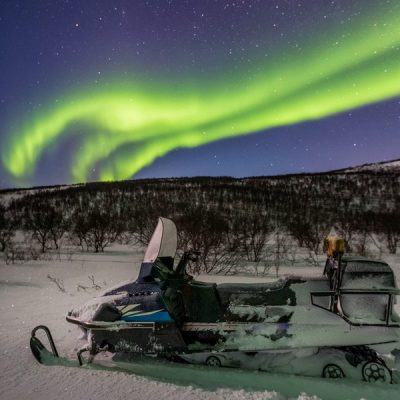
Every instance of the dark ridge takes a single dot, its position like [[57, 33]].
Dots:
[[131, 182]]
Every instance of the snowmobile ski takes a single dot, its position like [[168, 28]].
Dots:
[[37, 346]]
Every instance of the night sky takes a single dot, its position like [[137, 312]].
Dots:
[[107, 90]]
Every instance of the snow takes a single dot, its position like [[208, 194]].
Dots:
[[387, 166], [7, 196], [28, 298], [87, 311]]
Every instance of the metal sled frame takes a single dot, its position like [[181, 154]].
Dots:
[[335, 297]]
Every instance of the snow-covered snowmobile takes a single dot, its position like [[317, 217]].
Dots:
[[341, 315]]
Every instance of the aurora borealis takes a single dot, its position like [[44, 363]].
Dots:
[[122, 122]]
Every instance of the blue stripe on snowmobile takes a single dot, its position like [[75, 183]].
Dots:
[[156, 317]]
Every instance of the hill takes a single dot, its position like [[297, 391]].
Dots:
[[222, 215]]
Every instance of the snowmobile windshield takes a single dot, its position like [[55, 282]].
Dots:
[[163, 242]]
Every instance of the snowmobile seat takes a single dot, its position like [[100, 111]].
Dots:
[[201, 302], [269, 293]]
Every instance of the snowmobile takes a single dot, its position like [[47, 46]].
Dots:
[[343, 315]]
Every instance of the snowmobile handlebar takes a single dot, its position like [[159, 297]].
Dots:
[[190, 255]]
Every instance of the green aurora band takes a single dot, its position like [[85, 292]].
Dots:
[[126, 128]]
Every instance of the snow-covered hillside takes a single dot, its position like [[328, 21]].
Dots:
[[386, 166], [6, 196]]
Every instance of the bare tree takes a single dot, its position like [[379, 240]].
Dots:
[[140, 224], [208, 232], [7, 229], [309, 234], [97, 226], [79, 230], [389, 225], [347, 229], [45, 223], [361, 242], [254, 231], [281, 249]]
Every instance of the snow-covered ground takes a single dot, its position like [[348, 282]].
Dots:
[[28, 298]]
